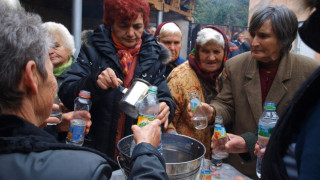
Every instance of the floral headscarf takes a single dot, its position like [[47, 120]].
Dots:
[[195, 63]]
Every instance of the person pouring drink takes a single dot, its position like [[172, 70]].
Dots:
[[118, 51], [28, 87]]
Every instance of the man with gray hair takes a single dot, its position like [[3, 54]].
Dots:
[[169, 34]]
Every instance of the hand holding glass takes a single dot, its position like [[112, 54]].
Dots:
[[56, 112]]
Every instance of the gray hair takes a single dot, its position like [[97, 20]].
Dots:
[[22, 39], [284, 24], [56, 29], [169, 29], [209, 35], [10, 4]]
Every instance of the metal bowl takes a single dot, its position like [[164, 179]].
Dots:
[[183, 156]]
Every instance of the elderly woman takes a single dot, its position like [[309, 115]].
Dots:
[[293, 149], [201, 74], [61, 54], [118, 51], [28, 88], [169, 34], [268, 73]]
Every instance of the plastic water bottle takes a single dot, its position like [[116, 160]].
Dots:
[[267, 122], [199, 117], [220, 135], [77, 129], [148, 111]]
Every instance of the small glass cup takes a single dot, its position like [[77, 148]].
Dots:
[[56, 113]]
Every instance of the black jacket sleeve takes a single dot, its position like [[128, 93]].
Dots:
[[82, 75], [147, 163]]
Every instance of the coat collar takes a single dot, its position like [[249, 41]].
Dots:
[[102, 41], [20, 136], [278, 89]]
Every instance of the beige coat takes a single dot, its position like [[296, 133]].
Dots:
[[240, 102]]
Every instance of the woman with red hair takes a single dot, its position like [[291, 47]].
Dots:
[[118, 51]]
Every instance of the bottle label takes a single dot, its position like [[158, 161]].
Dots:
[[76, 132], [219, 132], [265, 131], [143, 120], [194, 103]]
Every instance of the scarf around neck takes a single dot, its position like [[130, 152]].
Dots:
[[196, 66], [126, 55], [59, 70]]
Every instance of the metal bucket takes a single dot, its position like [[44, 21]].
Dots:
[[183, 156], [137, 91]]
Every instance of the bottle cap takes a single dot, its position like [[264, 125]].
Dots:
[[218, 119], [193, 94], [85, 94], [153, 89], [270, 105]]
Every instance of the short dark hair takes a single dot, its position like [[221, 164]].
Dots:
[[284, 24]]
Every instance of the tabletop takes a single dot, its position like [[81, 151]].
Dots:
[[225, 172]]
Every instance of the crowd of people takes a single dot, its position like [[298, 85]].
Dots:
[[232, 78]]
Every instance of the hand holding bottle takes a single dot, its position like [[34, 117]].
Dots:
[[164, 112], [148, 134], [199, 117], [208, 110], [234, 144]]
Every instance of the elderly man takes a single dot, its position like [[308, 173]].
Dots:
[[169, 34], [28, 88]]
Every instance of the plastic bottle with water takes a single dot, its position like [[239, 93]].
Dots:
[[199, 117], [220, 135], [267, 122], [77, 129], [148, 109]]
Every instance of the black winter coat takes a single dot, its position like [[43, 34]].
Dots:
[[97, 54]]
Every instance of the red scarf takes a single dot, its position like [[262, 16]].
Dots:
[[126, 55]]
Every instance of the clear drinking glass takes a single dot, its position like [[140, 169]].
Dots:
[[56, 113]]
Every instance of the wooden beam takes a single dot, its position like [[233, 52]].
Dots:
[[174, 6]]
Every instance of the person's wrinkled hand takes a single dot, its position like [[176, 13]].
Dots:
[[67, 117], [218, 144], [209, 111], [164, 112], [234, 144], [256, 149], [148, 134], [108, 79]]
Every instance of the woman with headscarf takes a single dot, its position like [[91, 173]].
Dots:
[[200, 74]]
